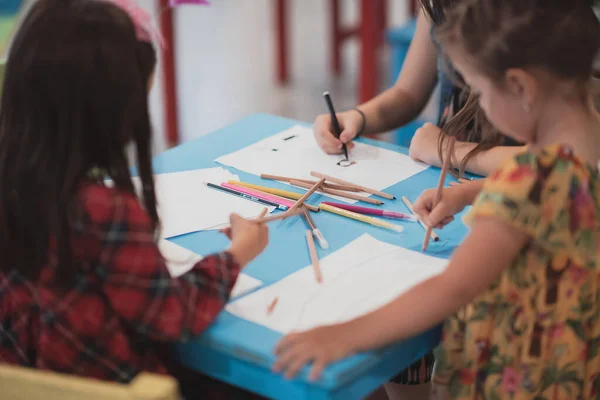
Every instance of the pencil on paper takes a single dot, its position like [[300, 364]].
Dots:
[[362, 218], [271, 307], [314, 257], [374, 211], [339, 193], [264, 196], [337, 130], [440, 187], [315, 231], [410, 207], [245, 196], [306, 195], [362, 188], [262, 214], [345, 188], [286, 194]]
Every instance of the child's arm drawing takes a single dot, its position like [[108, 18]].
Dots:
[[486, 252]]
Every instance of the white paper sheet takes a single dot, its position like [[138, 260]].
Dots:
[[180, 260], [295, 153], [186, 205], [359, 278]]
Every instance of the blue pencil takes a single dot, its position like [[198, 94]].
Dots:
[[247, 196]]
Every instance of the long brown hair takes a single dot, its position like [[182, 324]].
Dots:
[[469, 122], [74, 95]]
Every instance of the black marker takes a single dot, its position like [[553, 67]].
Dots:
[[336, 125]]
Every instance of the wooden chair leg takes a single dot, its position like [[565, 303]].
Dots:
[[169, 79], [282, 41], [337, 38], [369, 37]]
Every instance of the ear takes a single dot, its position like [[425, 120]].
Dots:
[[522, 85]]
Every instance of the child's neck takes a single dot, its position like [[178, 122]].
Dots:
[[572, 123]]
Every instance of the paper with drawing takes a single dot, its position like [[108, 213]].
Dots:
[[361, 277], [295, 153]]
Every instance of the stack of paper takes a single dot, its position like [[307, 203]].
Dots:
[[180, 260], [186, 204], [294, 153], [359, 278]]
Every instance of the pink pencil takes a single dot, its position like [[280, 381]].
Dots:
[[373, 211], [259, 195]]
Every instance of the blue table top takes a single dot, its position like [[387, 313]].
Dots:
[[240, 352]]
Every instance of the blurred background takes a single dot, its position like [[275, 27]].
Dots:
[[227, 59]]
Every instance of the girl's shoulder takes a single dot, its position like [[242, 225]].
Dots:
[[101, 203]]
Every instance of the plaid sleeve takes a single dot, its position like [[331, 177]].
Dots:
[[138, 285]]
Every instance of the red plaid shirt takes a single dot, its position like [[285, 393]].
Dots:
[[122, 302]]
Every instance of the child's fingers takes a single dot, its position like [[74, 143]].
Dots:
[[317, 368], [290, 357], [226, 232], [284, 343], [444, 222], [295, 365], [452, 183]]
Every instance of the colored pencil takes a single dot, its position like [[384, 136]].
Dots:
[[440, 187], [246, 196], [362, 188], [360, 217], [345, 188], [337, 130], [314, 257], [351, 196], [410, 207], [262, 214], [276, 192], [306, 195], [373, 211], [315, 231], [257, 194], [271, 307]]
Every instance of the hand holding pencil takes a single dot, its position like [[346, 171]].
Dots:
[[248, 239], [452, 202]]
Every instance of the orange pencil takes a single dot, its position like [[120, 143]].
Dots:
[[440, 186], [272, 305]]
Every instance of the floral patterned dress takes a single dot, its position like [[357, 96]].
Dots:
[[535, 333]]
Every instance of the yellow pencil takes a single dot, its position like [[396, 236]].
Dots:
[[277, 192], [361, 218]]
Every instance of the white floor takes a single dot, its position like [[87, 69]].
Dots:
[[225, 63]]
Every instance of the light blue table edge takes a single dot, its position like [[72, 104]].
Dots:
[[229, 365]]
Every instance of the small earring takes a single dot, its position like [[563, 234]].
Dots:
[[527, 107]]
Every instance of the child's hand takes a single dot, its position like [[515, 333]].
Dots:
[[350, 123], [248, 239], [452, 202], [320, 346], [424, 145]]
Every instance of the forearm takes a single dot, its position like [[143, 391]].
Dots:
[[390, 110], [484, 162], [406, 316]]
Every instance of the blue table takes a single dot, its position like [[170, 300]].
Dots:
[[240, 352]]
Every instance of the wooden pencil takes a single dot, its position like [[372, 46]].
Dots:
[[283, 194], [312, 249], [271, 307], [410, 207], [362, 188], [351, 196], [440, 187], [345, 188], [262, 214], [306, 195]]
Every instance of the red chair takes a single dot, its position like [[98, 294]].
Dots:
[[371, 31]]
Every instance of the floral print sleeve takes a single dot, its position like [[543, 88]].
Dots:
[[535, 333]]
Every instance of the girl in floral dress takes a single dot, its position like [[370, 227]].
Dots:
[[521, 295]]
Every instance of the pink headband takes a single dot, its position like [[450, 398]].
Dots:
[[145, 29]]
